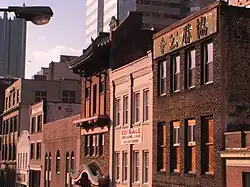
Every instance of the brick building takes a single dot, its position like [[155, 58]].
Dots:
[[93, 66], [60, 158], [241, 3], [106, 51], [41, 113], [23, 161], [237, 158], [200, 78], [131, 114], [15, 117]]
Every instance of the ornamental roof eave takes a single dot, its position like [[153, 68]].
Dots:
[[101, 41]]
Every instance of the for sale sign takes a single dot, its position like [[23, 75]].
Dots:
[[131, 135]]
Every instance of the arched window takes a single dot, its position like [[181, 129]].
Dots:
[[67, 162], [58, 162], [72, 162]]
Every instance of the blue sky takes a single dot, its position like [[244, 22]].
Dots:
[[63, 35]]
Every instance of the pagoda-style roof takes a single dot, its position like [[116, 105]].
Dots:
[[94, 49]]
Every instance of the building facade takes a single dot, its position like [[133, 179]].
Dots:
[[197, 90], [190, 6], [237, 158], [93, 67], [241, 3], [23, 161], [131, 114], [15, 117], [58, 70], [61, 153], [12, 46], [41, 113]]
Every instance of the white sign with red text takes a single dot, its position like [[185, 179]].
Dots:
[[131, 135]]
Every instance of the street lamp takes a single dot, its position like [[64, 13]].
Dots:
[[39, 15]]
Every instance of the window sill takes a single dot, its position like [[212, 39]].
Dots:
[[145, 122], [136, 124], [124, 183], [162, 95], [136, 183], [117, 181], [176, 171], [117, 127], [145, 184], [210, 82], [190, 174], [125, 126], [209, 173], [58, 173], [191, 144], [176, 145]]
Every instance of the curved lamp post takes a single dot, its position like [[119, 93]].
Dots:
[[39, 15]]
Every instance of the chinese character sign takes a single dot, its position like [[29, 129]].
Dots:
[[194, 30]]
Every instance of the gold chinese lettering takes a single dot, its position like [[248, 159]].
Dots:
[[202, 27], [187, 35], [162, 45], [174, 41]]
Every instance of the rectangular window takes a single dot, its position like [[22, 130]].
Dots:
[[86, 144], [40, 95], [175, 147], [136, 107], [125, 110], [246, 179], [190, 68], [145, 105], [162, 78], [9, 101], [39, 123], [92, 145], [15, 123], [207, 134], [14, 151], [117, 112], [145, 166], [87, 93], [6, 103], [14, 98], [69, 96], [161, 146], [102, 87], [101, 144], [117, 166], [18, 96], [94, 99], [33, 124], [135, 166], [32, 151], [124, 166], [38, 150], [175, 61], [208, 55], [190, 158]]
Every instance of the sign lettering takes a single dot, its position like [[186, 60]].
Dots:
[[131, 136], [194, 30]]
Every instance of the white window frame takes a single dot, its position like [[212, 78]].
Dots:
[[137, 107], [145, 167], [191, 64], [191, 127], [117, 166], [146, 105], [136, 165], [177, 70], [162, 77], [176, 131], [124, 166], [210, 59], [125, 110], [117, 112]]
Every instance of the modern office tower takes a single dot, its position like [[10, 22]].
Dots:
[[190, 6], [93, 19], [156, 14], [12, 46]]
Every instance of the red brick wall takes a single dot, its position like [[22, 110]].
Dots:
[[234, 175], [233, 140], [60, 135], [227, 99]]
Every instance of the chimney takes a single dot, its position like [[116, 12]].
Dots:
[[113, 24]]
